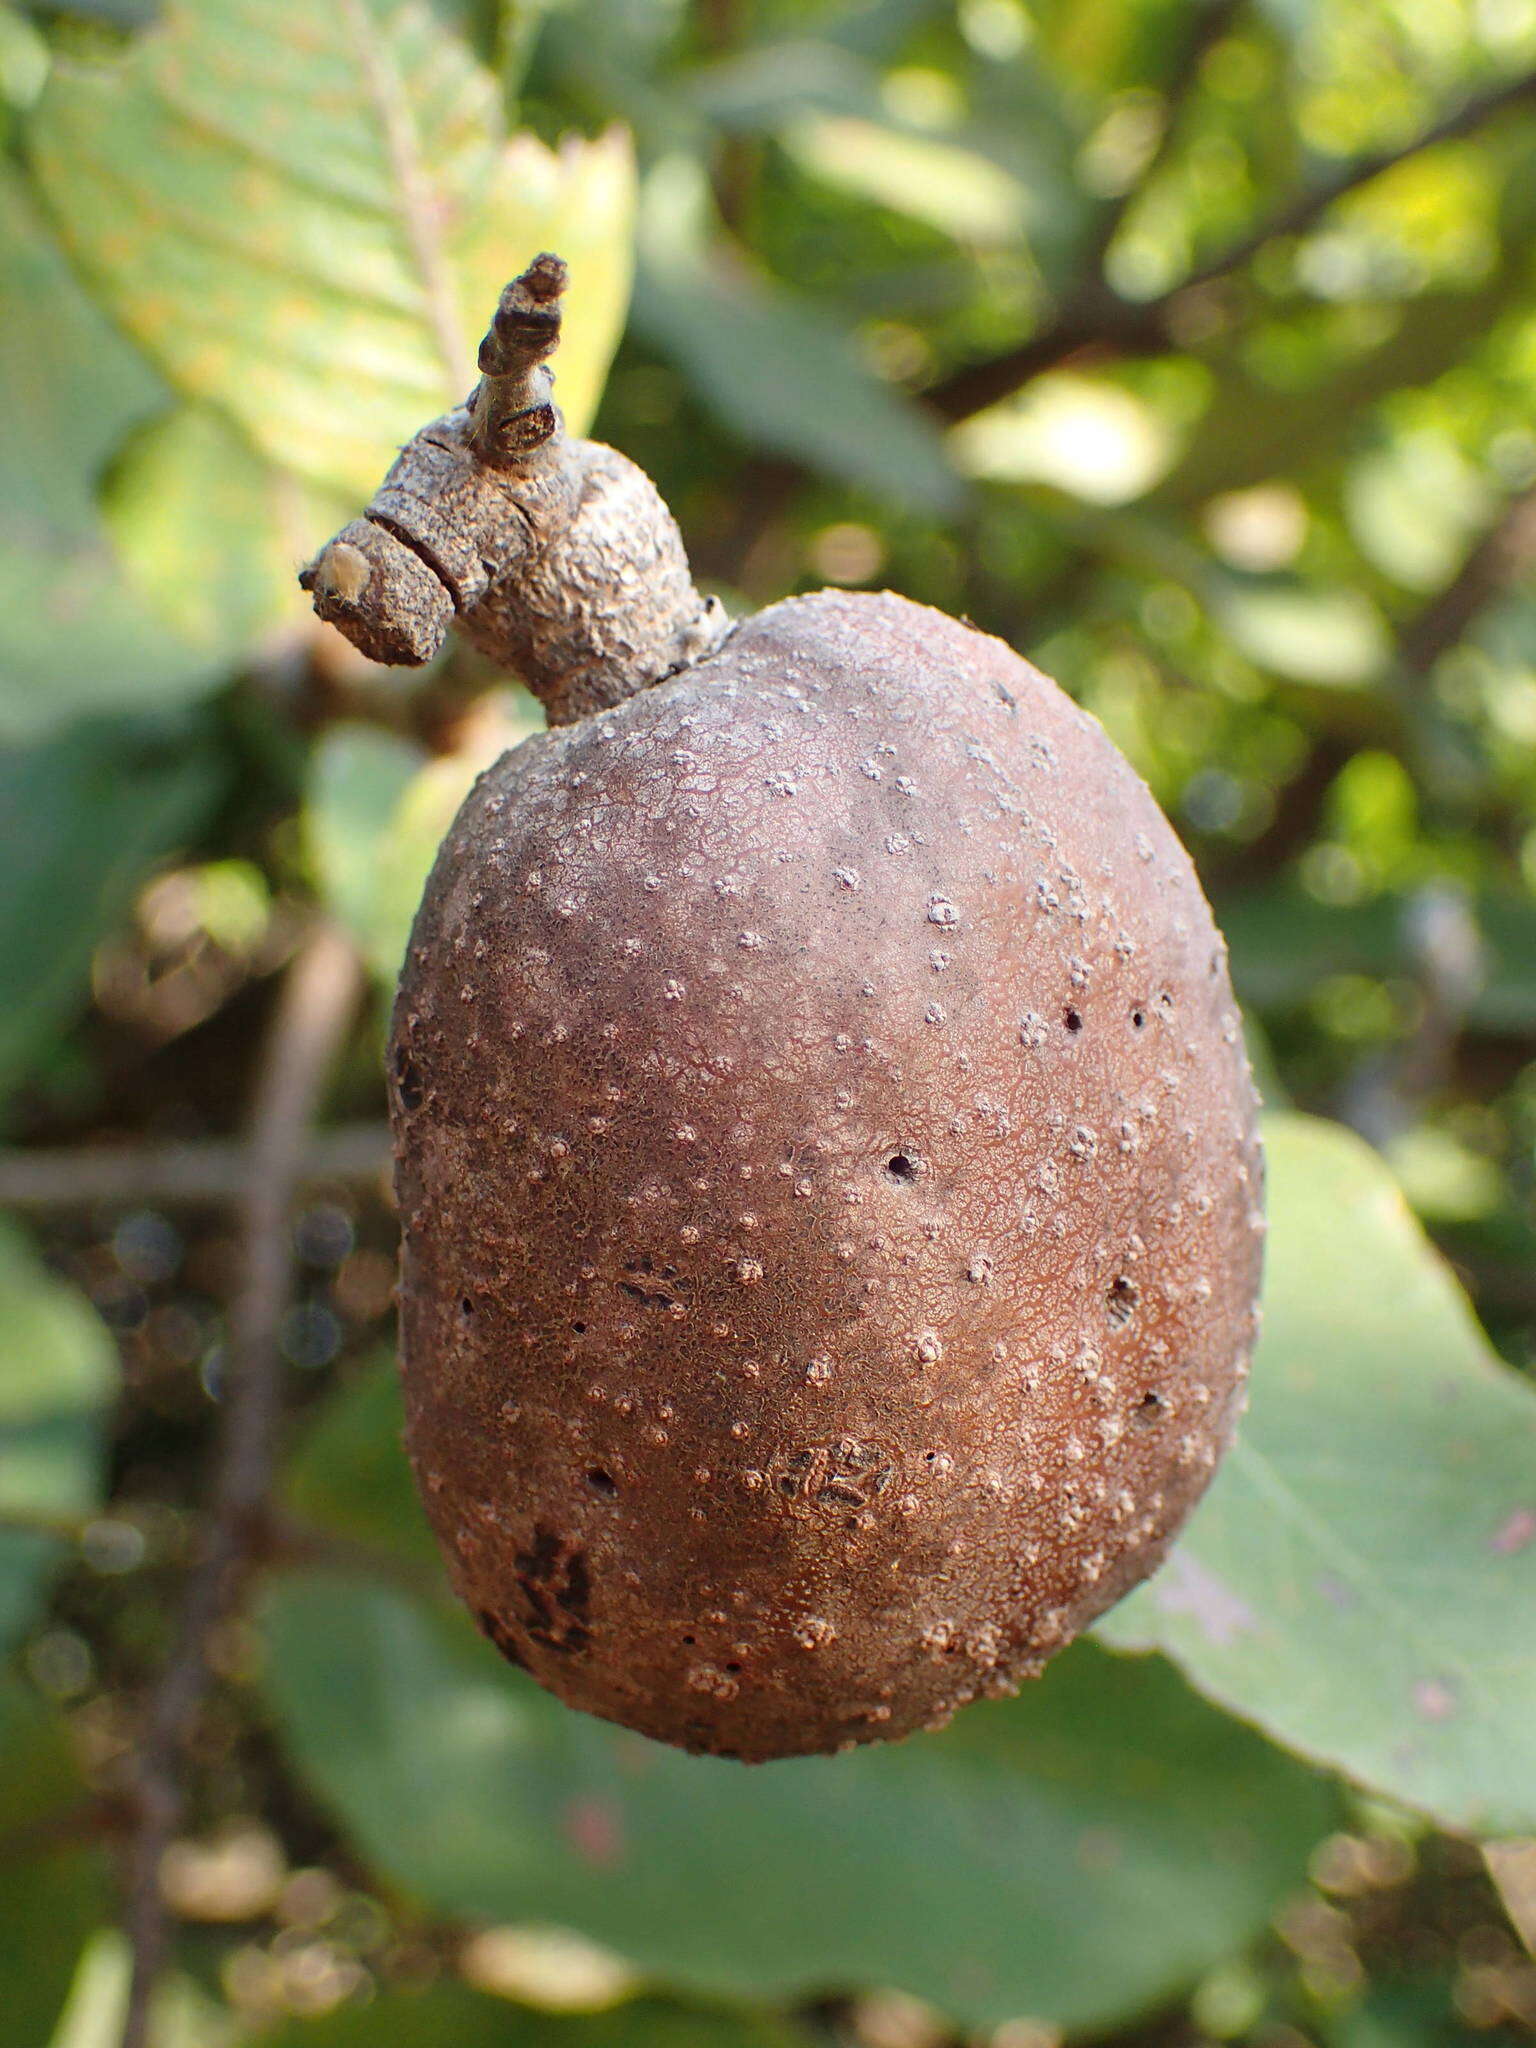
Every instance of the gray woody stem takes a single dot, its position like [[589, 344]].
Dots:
[[318, 1001], [512, 412], [556, 557]]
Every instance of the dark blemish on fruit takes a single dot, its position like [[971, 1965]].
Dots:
[[555, 1586], [496, 1631], [1138, 1018], [900, 1166], [655, 1289], [1122, 1298], [1074, 1020], [603, 1483], [1148, 1410], [407, 1080], [847, 1472]]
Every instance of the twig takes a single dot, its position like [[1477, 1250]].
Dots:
[[770, 483], [1505, 551], [202, 1170], [318, 999], [1205, 23], [1307, 208], [297, 1541], [1096, 316]]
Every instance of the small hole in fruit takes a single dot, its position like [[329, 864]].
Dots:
[[901, 1166], [733, 1667], [1138, 1018], [1148, 1410], [1122, 1298], [407, 1080], [690, 1641], [1165, 1001], [1074, 1020], [580, 1329], [602, 1482], [466, 1307]]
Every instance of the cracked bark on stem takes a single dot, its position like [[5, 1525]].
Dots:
[[318, 1000]]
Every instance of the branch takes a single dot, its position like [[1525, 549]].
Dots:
[[317, 1002], [1204, 25], [1098, 317], [1094, 318], [1505, 551], [207, 1170], [1307, 208]]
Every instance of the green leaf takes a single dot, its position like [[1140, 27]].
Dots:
[[777, 372], [73, 388], [73, 636], [1284, 942], [451, 2013], [1334, 638], [305, 216], [749, 90], [1253, 429], [40, 1779], [350, 1476], [956, 190], [24, 59], [978, 1868], [376, 811], [181, 2013], [209, 533], [358, 779], [1361, 1579], [82, 817], [58, 1372], [55, 1891]]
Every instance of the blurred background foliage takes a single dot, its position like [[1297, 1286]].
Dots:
[[1190, 345]]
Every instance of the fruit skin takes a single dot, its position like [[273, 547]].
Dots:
[[830, 1183]]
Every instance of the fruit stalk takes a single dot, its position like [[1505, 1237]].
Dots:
[[553, 555]]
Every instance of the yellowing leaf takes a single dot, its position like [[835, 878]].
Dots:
[[304, 215]]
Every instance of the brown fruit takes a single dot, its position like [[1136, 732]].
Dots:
[[830, 1185], [825, 1145]]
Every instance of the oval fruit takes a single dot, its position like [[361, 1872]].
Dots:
[[830, 1183]]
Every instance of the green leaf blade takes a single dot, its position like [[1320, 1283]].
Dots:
[[305, 219], [74, 637], [976, 1869], [58, 1371], [83, 817], [1361, 1580]]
